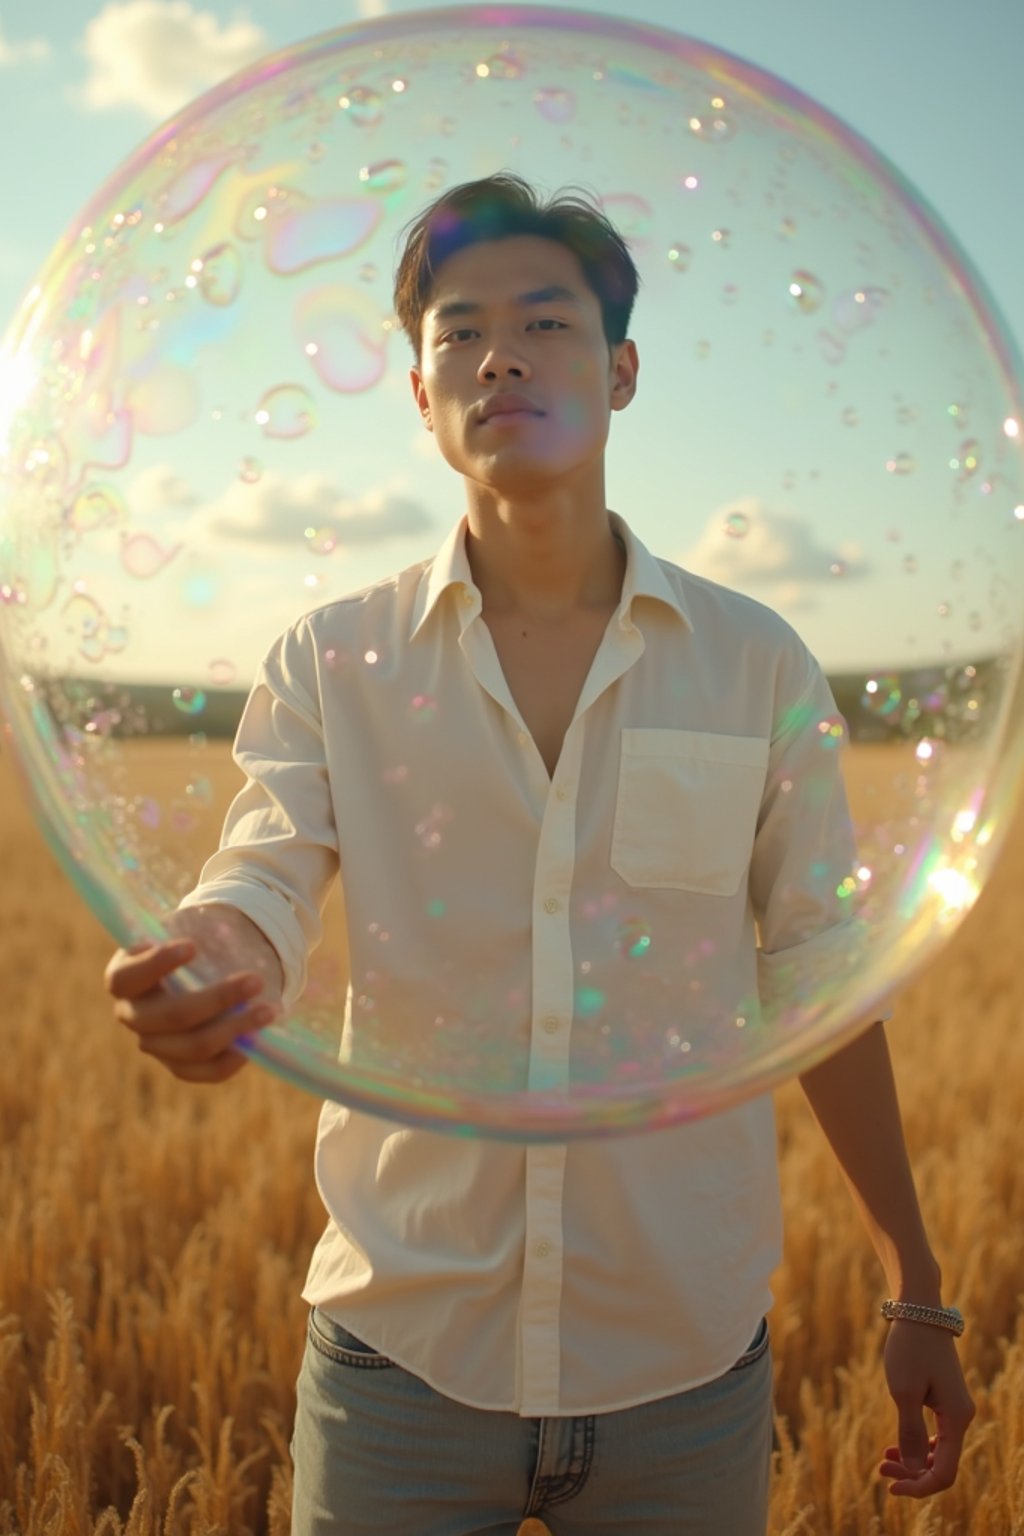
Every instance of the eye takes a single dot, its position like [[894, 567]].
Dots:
[[550, 320]]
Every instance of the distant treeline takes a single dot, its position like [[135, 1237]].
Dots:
[[951, 701]]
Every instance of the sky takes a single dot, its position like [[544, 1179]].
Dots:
[[936, 89]]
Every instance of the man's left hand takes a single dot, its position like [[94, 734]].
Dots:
[[922, 1369]]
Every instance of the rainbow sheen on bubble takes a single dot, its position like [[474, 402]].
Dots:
[[206, 427]]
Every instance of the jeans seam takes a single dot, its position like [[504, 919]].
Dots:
[[546, 1491], [753, 1355], [573, 1482], [337, 1353]]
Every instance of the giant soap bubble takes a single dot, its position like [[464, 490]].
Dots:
[[207, 429]]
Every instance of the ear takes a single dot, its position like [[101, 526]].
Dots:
[[420, 396], [625, 365]]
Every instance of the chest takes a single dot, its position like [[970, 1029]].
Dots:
[[545, 667]]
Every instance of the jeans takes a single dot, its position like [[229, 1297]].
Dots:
[[376, 1450]]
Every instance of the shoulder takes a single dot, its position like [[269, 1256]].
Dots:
[[727, 615], [360, 627], [750, 647], [374, 614]]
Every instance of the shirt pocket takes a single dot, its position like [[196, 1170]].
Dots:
[[686, 809]]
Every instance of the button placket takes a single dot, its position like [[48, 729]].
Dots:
[[549, 1070], [542, 1279]]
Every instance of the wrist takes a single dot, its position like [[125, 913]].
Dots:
[[918, 1279]]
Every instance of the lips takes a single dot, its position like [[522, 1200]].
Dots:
[[508, 405]]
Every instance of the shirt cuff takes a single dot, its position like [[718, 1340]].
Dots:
[[793, 982], [274, 917]]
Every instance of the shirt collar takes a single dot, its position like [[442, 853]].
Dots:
[[450, 568]]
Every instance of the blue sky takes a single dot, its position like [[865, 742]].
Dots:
[[936, 87]]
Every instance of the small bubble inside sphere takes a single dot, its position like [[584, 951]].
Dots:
[[206, 430]]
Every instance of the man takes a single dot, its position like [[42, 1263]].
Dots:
[[572, 1332]]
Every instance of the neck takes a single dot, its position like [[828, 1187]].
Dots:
[[543, 570]]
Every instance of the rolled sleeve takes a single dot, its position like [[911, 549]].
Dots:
[[810, 940], [278, 851]]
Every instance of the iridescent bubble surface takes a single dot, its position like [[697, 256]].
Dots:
[[206, 426]]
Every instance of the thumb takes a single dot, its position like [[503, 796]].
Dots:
[[913, 1437]]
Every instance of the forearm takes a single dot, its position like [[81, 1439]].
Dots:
[[853, 1097]]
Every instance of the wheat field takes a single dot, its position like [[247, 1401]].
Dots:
[[155, 1238]]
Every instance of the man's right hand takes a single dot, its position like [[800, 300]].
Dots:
[[192, 1032]]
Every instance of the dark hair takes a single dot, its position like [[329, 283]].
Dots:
[[495, 208]]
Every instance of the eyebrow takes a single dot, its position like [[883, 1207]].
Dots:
[[554, 291]]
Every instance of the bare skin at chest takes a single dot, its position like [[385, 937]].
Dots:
[[546, 664]]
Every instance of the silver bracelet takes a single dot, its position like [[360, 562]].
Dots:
[[912, 1312]]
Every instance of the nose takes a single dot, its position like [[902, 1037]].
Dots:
[[502, 359]]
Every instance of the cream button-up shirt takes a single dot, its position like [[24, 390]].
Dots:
[[690, 841]]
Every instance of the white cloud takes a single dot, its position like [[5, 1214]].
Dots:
[[746, 546], [277, 511], [157, 55], [30, 50], [160, 492]]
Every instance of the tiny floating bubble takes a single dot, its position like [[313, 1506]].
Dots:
[[555, 104], [737, 525], [967, 459], [589, 1000], [222, 672], [144, 557], [362, 105], [713, 127], [199, 792], [806, 291], [633, 938], [190, 701], [322, 541], [385, 176], [502, 66], [286, 412], [882, 695], [219, 275]]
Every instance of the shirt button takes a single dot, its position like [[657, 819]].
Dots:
[[551, 905], [561, 792], [522, 738], [551, 1024], [467, 598], [543, 1248]]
